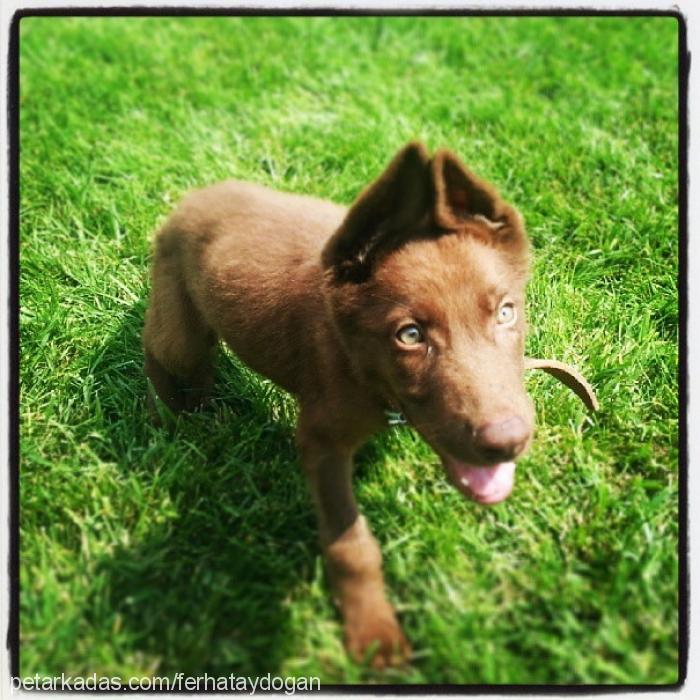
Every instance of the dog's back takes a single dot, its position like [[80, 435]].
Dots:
[[240, 262]]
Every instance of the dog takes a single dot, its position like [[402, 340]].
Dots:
[[409, 305]]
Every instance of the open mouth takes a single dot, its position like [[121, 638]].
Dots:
[[485, 484]]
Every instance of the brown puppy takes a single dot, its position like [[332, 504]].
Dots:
[[411, 301]]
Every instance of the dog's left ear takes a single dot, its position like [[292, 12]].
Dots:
[[460, 196], [389, 209]]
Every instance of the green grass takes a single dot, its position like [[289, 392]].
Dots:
[[145, 551]]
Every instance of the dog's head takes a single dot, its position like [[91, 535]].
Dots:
[[425, 283]]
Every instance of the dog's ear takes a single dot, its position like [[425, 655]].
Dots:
[[387, 210], [460, 196]]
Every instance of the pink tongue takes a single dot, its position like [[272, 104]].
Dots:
[[486, 485]]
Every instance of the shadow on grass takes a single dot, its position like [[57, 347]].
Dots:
[[222, 530]]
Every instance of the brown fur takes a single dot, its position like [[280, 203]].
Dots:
[[312, 296]]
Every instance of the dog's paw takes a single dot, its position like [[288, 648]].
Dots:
[[377, 638]]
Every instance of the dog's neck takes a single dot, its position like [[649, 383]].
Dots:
[[394, 417]]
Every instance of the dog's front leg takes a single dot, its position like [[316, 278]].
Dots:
[[352, 556]]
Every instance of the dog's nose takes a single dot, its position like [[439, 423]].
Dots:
[[501, 440]]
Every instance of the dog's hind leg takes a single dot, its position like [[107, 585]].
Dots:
[[179, 347]]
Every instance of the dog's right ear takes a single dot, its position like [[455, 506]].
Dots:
[[460, 196], [390, 207]]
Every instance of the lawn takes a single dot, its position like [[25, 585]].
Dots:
[[147, 551]]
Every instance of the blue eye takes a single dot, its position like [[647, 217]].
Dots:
[[507, 314], [410, 334]]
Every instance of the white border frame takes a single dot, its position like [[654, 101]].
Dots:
[[689, 8]]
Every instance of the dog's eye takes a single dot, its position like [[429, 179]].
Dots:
[[410, 334], [507, 314]]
